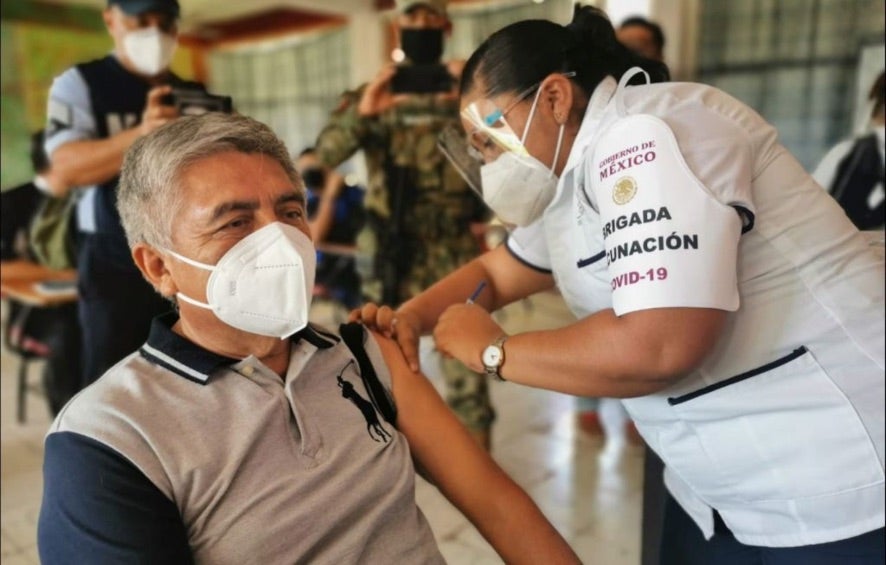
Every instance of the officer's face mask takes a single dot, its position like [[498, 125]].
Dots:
[[422, 46], [149, 50], [263, 284], [515, 185]]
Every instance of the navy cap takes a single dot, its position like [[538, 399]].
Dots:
[[136, 7]]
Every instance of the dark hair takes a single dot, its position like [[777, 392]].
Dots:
[[39, 158], [520, 55], [653, 28], [310, 150], [878, 95]]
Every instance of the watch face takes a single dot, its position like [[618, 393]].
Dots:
[[492, 356]]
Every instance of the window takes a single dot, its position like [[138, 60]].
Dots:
[[290, 84], [471, 25], [794, 61]]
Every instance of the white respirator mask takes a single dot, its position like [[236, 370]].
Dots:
[[517, 186], [149, 50], [263, 284]]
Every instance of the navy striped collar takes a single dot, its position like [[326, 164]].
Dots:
[[187, 359]]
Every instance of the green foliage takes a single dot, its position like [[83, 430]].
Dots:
[[32, 54]]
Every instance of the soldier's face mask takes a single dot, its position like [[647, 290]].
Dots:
[[422, 46]]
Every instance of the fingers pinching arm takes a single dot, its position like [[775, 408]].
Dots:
[[402, 326]]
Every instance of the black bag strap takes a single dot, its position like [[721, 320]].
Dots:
[[353, 334]]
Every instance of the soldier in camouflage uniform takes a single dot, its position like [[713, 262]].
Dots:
[[419, 210]]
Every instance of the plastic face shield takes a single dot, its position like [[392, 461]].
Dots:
[[490, 132], [490, 135], [464, 158], [467, 161]]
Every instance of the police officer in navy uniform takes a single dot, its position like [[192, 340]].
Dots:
[[96, 111]]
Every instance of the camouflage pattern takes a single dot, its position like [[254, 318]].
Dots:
[[437, 209]]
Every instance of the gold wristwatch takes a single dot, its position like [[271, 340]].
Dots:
[[494, 357]]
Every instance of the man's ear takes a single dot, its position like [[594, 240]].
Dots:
[[557, 94], [152, 264]]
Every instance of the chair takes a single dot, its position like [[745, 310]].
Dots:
[[28, 348]]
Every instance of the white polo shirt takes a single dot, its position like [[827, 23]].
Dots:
[[678, 195]]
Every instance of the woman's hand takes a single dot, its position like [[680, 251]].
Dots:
[[464, 331], [402, 326]]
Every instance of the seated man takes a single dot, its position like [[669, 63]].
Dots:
[[238, 433]]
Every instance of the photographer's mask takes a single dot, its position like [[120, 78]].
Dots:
[[149, 50], [263, 284], [422, 46]]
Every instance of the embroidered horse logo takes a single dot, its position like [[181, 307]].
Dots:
[[373, 426]]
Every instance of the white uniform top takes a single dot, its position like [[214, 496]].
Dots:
[[781, 429]]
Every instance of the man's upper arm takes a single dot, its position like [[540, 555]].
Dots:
[[69, 111], [99, 508]]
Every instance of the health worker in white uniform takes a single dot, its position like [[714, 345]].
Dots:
[[719, 291]]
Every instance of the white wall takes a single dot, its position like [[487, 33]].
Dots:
[[368, 30], [618, 10]]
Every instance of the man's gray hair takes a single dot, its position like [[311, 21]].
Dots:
[[150, 189]]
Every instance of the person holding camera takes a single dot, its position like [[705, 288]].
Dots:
[[420, 212], [96, 111]]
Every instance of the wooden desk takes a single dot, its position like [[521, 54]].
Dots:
[[19, 279]]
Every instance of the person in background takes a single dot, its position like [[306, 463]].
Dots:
[[96, 111], [336, 215], [643, 37], [853, 170], [238, 433], [420, 212], [51, 333], [718, 291], [20, 203]]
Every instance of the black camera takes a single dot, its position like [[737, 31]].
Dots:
[[191, 101], [422, 79]]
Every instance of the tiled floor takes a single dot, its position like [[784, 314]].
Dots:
[[588, 488]]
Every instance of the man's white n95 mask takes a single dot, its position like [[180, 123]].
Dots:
[[263, 284], [149, 50]]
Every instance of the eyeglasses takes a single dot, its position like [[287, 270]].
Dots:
[[491, 134]]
